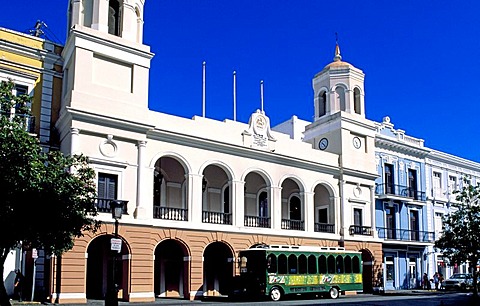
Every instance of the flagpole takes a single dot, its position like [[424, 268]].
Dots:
[[234, 95], [203, 91], [261, 94]]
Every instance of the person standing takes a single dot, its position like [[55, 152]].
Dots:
[[18, 285], [440, 280], [426, 281], [436, 279]]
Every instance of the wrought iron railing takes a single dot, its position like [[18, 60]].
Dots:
[[289, 224], [325, 228], [405, 234], [360, 230], [103, 205], [400, 190], [216, 217], [255, 221], [170, 213]]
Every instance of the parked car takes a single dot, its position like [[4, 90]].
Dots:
[[459, 281]]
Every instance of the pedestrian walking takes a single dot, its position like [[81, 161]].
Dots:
[[18, 285], [440, 280], [436, 280]]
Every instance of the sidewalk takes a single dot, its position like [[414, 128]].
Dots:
[[413, 292]]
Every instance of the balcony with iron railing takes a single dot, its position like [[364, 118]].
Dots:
[[170, 213], [360, 230], [324, 227], [387, 190], [405, 235], [256, 221], [103, 205], [216, 217], [289, 224]]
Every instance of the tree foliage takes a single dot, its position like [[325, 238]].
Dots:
[[48, 199], [460, 240]]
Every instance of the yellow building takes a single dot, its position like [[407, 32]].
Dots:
[[35, 66]]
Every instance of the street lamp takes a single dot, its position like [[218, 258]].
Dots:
[[111, 298]]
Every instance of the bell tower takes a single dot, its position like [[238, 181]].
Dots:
[[339, 124], [106, 67], [339, 87]]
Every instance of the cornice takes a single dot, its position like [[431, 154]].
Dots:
[[241, 151], [436, 157], [111, 42], [387, 143]]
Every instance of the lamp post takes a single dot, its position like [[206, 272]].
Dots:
[[111, 298]]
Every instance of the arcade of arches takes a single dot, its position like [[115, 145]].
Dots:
[[187, 264]]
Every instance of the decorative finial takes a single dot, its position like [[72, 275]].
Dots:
[[337, 56]]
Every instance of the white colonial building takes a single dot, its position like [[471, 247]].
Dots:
[[195, 191], [196, 197]]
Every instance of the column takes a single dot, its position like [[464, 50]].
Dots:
[[372, 208], [140, 212], [194, 197], [341, 222], [74, 140], [129, 22], [238, 202], [275, 197], [309, 210], [100, 15], [75, 9]]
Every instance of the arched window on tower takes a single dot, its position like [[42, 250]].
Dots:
[[322, 104], [114, 17], [139, 25], [356, 101], [87, 13], [340, 91]]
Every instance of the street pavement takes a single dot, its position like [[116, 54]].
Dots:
[[220, 300]]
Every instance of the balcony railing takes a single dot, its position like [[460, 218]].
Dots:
[[26, 120], [103, 205], [216, 217], [170, 213], [400, 190], [325, 228], [405, 235], [360, 230], [289, 224], [255, 221]]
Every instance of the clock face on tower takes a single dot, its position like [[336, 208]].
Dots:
[[357, 143], [323, 144]]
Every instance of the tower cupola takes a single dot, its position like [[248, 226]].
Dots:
[[339, 87], [123, 18]]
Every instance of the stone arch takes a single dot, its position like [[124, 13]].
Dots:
[[257, 199], [171, 270], [106, 267], [228, 170], [182, 160], [218, 268]]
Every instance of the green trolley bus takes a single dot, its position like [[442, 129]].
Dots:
[[279, 270]]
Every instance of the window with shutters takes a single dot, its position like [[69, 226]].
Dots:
[[107, 186], [437, 184]]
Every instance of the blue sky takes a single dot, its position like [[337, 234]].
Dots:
[[421, 58]]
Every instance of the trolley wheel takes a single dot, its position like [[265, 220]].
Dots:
[[275, 294], [333, 293]]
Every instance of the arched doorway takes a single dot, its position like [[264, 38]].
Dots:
[[217, 269], [101, 261], [170, 278], [367, 274]]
